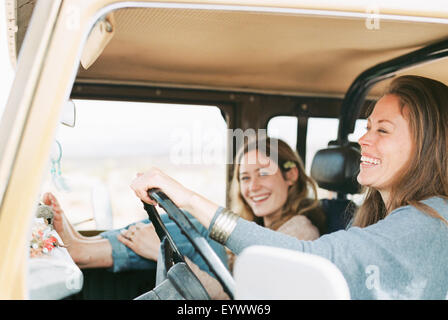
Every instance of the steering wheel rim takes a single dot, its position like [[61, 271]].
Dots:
[[192, 234]]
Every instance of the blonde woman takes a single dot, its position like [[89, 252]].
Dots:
[[269, 187], [401, 228], [253, 188]]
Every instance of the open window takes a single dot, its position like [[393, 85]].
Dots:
[[112, 140]]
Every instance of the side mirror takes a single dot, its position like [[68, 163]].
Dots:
[[68, 116]]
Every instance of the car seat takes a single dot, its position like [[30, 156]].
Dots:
[[335, 169]]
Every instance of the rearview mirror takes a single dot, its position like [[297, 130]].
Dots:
[[68, 116]]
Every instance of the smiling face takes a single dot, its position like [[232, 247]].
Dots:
[[262, 185], [386, 147]]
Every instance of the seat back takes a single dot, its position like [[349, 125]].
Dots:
[[297, 276], [339, 213], [335, 169]]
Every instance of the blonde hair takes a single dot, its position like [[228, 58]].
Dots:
[[298, 201], [426, 173]]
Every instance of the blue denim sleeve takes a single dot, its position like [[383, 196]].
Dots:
[[126, 259]]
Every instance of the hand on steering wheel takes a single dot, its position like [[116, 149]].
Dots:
[[189, 230]]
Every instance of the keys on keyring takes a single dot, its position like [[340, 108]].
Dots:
[[45, 212]]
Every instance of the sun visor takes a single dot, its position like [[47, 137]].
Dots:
[[101, 34], [336, 168]]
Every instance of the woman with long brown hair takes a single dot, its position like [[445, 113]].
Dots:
[[424, 104], [401, 228]]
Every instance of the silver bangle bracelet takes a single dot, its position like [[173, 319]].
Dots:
[[223, 226]]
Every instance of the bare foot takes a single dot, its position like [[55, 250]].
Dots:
[[72, 239], [60, 221], [142, 239]]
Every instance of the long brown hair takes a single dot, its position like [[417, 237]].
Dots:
[[299, 201], [426, 173]]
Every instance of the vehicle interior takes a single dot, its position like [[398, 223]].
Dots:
[[303, 71]]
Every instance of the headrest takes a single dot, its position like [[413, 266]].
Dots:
[[336, 169]]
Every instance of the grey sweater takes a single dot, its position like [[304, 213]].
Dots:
[[404, 256]]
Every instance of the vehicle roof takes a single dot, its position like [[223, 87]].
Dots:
[[290, 47]]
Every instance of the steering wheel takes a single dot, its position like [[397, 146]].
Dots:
[[174, 279]]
